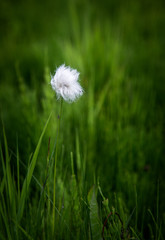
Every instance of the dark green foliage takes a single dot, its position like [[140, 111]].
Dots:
[[114, 134]]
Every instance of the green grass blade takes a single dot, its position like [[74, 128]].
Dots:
[[101, 99], [3, 181], [10, 187], [30, 174], [94, 218], [24, 232], [76, 219], [18, 174], [3, 213], [7, 169], [133, 231], [78, 152], [156, 225]]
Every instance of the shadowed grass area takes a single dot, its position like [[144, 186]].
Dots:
[[110, 162]]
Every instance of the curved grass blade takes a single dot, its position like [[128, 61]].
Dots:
[[30, 174]]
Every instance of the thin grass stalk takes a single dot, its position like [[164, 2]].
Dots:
[[8, 170], [48, 190], [43, 196], [55, 164], [134, 233], [156, 224], [18, 175], [157, 209], [136, 210]]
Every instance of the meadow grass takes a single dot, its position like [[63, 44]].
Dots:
[[106, 179]]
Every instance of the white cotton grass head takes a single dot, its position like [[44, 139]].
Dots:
[[65, 83]]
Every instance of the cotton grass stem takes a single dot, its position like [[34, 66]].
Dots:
[[71, 154], [55, 164]]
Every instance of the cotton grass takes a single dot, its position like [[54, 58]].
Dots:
[[65, 83]]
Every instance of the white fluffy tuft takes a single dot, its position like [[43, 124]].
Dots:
[[65, 83]]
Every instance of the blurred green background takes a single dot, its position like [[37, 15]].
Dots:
[[118, 48]]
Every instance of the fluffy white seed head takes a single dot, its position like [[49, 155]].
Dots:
[[65, 83]]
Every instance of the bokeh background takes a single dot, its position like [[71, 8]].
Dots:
[[118, 48]]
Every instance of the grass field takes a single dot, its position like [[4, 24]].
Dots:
[[99, 174]]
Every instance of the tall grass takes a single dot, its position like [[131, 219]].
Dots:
[[106, 179]]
